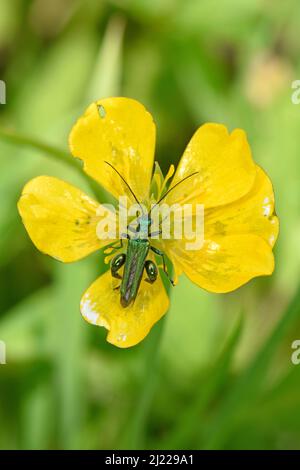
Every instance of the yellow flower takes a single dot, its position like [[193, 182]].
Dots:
[[240, 225]]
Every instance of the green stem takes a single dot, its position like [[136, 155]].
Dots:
[[51, 151], [136, 432]]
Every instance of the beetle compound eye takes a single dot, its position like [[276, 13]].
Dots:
[[151, 270], [118, 261]]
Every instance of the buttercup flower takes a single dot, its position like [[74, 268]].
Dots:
[[115, 139]]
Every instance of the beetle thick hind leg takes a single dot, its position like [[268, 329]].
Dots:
[[116, 263], [151, 271]]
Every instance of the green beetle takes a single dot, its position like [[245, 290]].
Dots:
[[135, 259]]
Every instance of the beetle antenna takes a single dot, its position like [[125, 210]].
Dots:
[[173, 187], [126, 184]]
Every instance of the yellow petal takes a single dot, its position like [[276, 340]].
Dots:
[[121, 132], [100, 305], [224, 164], [225, 263], [252, 214], [60, 219]]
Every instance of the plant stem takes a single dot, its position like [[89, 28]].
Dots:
[[23, 140], [136, 431], [51, 151]]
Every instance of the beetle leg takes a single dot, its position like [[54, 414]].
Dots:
[[160, 253], [125, 235], [113, 248], [115, 274], [118, 246], [153, 234], [151, 271], [117, 262]]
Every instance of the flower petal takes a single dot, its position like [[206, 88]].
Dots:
[[60, 219], [238, 241], [224, 164], [100, 305], [121, 132], [225, 263], [252, 214]]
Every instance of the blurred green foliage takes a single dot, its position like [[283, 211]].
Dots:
[[223, 377]]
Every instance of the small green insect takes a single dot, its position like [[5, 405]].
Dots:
[[135, 259]]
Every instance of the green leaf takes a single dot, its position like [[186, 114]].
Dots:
[[206, 389], [251, 382]]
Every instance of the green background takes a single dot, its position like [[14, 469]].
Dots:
[[217, 372]]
